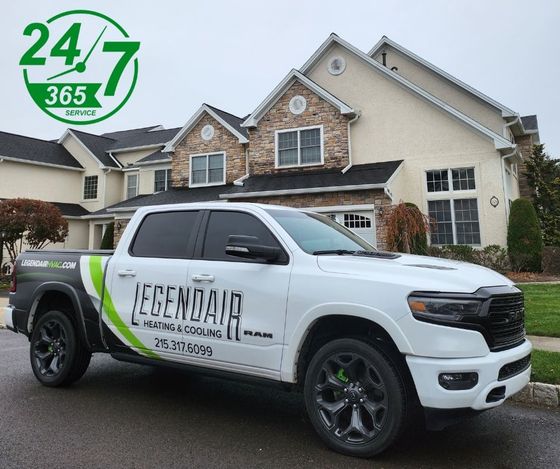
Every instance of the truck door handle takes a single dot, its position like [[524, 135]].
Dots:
[[127, 273], [203, 278]]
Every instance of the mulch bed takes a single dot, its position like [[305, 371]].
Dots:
[[521, 277]]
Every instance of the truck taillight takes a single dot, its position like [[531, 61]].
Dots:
[[13, 284]]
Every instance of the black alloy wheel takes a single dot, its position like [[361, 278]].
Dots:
[[355, 397]]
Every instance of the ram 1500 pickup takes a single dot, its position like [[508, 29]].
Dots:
[[285, 296]]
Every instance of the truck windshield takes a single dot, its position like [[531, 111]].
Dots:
[[319, 234]]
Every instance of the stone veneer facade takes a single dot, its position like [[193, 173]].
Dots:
[[262, 159], [120, 226], [525, 144], [193, 144], [327, 199]]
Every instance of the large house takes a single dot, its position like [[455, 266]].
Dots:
[[348, 134]]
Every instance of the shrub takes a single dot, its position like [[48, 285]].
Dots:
[[108, 237], [494, 257], [33, 222], [524, 239], [551, 260], [407, 229]]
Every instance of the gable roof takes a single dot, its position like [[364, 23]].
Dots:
[[358, 177], [385, 41], [229, 121], [155, 157], [96, 145], [281, 88], [36, 151], [530, 123], [500, 142], [119, 134], [143, 139], [232, 120]]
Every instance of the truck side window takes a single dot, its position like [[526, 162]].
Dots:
[[223, 224], [164, 234]]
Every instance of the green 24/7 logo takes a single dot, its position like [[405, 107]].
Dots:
[[81, 68]]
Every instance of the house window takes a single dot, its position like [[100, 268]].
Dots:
[[90, 187], [208, 169], [162, 180], [456, 218], [440, 180], [131, 186], [351, 220], [299, 147], [456, 221]]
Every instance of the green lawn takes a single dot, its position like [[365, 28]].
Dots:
[[542, 309], [546, 367]]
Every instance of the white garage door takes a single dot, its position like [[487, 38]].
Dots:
[[362, 223]]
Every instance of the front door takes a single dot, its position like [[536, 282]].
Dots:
[[239, 305]]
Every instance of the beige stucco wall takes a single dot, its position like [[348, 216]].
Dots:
[[410, 186], [395, 125], [113, 188], [147, 177], [39, 182], [445, 90]]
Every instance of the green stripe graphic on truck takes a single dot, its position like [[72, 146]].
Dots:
[[96, 272]]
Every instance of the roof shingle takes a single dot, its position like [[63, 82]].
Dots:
[[35, 150]]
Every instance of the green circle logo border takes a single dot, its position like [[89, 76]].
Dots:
[[134, 78]]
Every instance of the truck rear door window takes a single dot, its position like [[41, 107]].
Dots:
[[164, 234]]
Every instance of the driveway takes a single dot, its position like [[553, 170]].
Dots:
[[123, 415]]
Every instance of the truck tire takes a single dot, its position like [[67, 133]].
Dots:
[[355, 397], [58, 357]]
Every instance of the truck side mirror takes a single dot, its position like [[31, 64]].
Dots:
[[249, 247]]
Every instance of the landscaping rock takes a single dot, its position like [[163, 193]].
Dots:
[[525, 395], [545, 394]]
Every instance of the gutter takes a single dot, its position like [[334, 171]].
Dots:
[[351, 121], [306, 190], [509, 124]]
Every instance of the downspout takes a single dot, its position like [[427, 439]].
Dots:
[[239, 182], [509, 124], [351, 121], [502, 160]]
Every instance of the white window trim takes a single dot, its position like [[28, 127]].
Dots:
[[453, 225], [445, 194], [83, 199], [128, 176], [223, 153], [452, 195], [298, 129], [167, 170]]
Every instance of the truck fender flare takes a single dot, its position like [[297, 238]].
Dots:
[[68, 291], [308, 320]]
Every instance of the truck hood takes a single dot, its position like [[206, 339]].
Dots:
[[418, 272]]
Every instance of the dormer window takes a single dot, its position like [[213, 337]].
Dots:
[[208, 169], [299, 147]]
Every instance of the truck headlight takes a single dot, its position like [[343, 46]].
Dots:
[[446, 309]]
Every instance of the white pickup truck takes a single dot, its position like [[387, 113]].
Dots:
[[286, 296]]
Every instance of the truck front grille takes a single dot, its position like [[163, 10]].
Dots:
[[506, 321]]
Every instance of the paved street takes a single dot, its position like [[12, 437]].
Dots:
[[122, 415]]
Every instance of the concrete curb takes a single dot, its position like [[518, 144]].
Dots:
[[539, 394]]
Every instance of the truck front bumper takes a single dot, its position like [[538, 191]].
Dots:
[[8, 317], [490, 390]]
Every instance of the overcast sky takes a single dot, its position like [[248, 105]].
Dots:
[[231, 54]]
